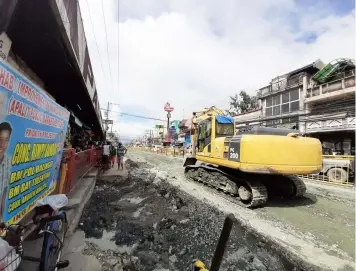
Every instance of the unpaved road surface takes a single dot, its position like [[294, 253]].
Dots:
[[145, 223], [319, 229]]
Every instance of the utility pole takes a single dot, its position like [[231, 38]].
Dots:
[[168, 109], [168, 116], [106, 122], [107, 118]]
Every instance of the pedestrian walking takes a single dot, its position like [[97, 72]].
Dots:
[[121, 151], [112, 155]]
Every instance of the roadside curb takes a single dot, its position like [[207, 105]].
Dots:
[[78, 198]]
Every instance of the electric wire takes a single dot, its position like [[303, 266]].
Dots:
[[107, 43], [133, 115], [96, 43]]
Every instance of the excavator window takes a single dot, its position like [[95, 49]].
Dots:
[[224, 129], [204, 134], [224, 126]]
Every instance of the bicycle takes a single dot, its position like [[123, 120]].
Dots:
[[198, 265], [52, 226]]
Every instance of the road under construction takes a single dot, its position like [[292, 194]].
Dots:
[[154, 218]]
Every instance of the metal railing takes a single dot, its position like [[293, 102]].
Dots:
[[337, 169], [346, 82], [75, 165], [175, 152]]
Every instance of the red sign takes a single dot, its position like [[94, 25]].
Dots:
[[168, 107]]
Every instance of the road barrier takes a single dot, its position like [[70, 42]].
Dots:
[[175, 152], [337, 169], [75, 165]]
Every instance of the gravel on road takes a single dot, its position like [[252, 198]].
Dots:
[[320, 229], [145, 223]]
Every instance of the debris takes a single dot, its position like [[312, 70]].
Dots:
[[147, 235]]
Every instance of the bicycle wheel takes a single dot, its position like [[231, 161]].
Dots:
[[52, 244]]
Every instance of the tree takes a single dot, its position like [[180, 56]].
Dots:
[[243, 103]]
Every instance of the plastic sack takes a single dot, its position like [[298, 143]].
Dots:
[[9, 260], [55, 201]]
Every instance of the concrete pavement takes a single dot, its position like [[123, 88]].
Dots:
[[74, 243]]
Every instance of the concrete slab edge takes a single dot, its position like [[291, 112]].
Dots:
[[279, 249], [75, 214]]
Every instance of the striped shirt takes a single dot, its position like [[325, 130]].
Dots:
[[121, 151], [5, 172]]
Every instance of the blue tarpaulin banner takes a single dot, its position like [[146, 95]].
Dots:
[[32, 134]]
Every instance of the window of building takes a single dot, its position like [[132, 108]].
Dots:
[[273, 123], [294, 95], [284, 103], [294, 106], [269, 111]]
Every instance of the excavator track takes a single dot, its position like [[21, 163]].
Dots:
[[299, 186], [247, 190], [251, 193], [288, 187]]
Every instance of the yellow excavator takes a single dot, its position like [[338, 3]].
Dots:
[[253, 164]]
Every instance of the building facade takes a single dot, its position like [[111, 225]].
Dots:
[[330, 108], [317, 99], [282, 101], [45, 41]]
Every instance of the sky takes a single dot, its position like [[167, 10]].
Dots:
[[196, 53]]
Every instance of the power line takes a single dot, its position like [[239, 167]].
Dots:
[[132, 115], [107, 43], [96, 43]]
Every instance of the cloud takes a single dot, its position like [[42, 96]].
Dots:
[[196, 53]]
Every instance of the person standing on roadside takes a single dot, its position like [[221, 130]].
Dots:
[[121, 151], [112, 155], [106, 154]]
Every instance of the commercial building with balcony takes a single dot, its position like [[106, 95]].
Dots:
[[185, 127], [282, 101], [330, 107], [317, 99]]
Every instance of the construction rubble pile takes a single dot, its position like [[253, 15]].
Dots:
[[154, 226]]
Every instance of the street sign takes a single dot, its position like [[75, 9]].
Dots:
[[169, 115], [168, 107]]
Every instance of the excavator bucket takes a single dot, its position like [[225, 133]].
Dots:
[[190, 161]]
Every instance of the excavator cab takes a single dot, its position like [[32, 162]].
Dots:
[[208, 134], [211, 133]]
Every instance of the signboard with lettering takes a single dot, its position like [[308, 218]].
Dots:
[[168, 107], [32, 134]]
